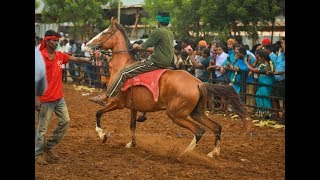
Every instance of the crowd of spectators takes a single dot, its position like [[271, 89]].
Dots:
[[262, 68], [258, 73]]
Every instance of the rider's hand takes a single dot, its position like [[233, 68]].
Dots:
[[135, 46]]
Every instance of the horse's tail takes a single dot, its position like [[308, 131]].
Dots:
[[231, 97]]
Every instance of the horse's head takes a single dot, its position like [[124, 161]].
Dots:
[[109, 38]]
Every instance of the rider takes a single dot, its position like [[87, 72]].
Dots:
[[162, 41]]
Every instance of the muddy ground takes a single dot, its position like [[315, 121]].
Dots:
[[160, 141]]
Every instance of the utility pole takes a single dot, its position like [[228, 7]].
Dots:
[[119, 2]]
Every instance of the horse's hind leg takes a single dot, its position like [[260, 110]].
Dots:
[[196, 129], [132, 143], [198, 114], [214, 126]]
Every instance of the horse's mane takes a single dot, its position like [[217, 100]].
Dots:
[[128, 44], [123, 32]]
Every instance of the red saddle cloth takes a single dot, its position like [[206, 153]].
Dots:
[[149, 79]]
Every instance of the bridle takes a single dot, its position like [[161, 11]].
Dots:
[[97, 47]]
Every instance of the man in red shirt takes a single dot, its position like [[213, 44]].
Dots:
[[52, 100]]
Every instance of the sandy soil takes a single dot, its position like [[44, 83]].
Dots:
[[160, 141]]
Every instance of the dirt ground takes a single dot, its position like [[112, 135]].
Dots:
[[159, 142]]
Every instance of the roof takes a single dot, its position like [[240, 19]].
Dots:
[[132, 2]]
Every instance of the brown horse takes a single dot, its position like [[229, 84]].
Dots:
[[181, 95]]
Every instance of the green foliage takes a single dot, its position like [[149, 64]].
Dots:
[[155, 6], [226, 17], [189, 17], [36, 4], [85, 15]]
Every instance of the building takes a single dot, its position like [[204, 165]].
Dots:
[[130, 10], [130, 18]]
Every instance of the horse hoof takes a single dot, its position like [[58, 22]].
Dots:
[[129, 145], [210, 154], [142, 117], [215, 152], [104, 138]]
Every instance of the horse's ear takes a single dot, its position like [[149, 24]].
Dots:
[[114, 20]]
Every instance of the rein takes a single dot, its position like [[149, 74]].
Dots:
[[108, 37], [130, 51], [110, 52]]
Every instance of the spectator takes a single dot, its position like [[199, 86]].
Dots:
[[185, 63], [186, 45], [239, 64], [265, 81], [250, 80], [212, 47], [52, 100], [88, 68], [230, 51], [238, 40], [255, 47], [196, 55], [203, 43], [276, 47], [265, 41], [279, 80], [220, 73], [102, 69], [176, 56], [73, 66], [273, 56], [202, 64], [231, 47]]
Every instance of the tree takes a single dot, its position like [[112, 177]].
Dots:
[[36, 4], [227, 17], [85, 15], [240, 15], [153, 7], [185, 16]]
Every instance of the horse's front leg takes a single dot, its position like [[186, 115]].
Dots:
[[109, 107], [133, 124]]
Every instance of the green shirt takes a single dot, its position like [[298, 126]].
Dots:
[[162, 41]]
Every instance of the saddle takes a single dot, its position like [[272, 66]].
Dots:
[[149, 79]]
